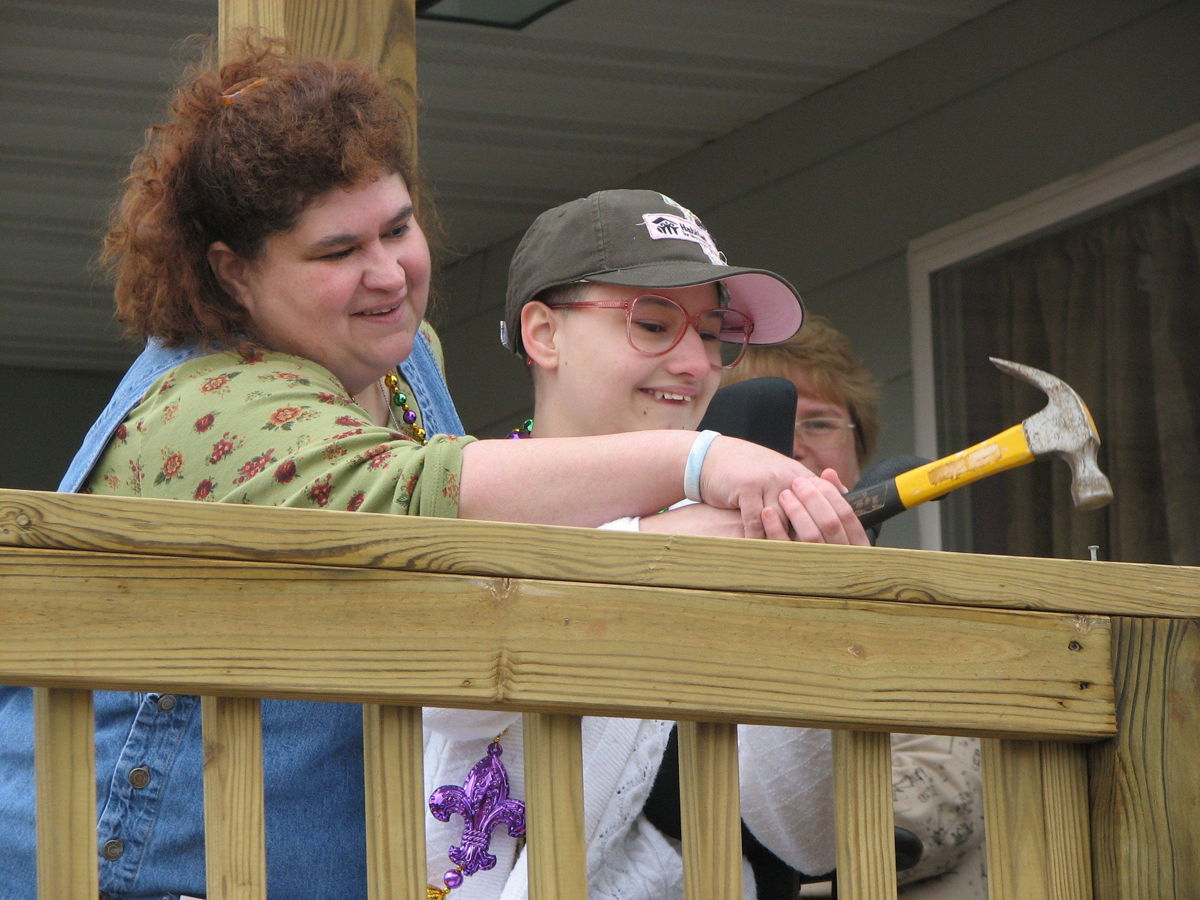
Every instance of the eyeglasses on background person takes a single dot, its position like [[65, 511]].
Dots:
[[823, 431], [655, 325]]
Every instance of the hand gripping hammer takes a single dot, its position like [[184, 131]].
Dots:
[[1064, 428]]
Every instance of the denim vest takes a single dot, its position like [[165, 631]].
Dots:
[[149, 758], [420, 370]]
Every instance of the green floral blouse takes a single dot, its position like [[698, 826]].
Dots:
[[273, 430]]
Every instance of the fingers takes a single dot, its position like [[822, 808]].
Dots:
[[854, 529], [751, 479], [833, 478], [818, 513], [752, 517], [774, 525]]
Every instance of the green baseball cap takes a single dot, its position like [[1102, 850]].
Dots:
[[639, 239]]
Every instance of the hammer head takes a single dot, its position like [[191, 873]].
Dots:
[[1064, 428]]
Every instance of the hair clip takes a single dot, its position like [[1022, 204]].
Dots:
[[232, 93]]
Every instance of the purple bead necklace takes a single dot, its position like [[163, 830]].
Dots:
[[524, 430], [484, 804], [399, 399]]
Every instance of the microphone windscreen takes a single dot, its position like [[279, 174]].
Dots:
[[762, 410]]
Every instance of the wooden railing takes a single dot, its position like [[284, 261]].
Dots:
[[1081, 675]]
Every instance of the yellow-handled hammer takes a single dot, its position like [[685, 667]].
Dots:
[[1064, 428]]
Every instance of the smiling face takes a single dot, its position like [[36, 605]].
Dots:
[[594, 382], [346, 287]]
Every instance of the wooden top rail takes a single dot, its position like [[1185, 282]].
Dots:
[[118, 613], [215, 531]]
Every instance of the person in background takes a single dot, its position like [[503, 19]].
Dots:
[[837, 400], [937, 787], [269, 249]]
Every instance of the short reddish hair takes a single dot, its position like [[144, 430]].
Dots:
[[825, 356], [239, 169]]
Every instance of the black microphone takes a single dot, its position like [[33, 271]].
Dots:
[[762, 410]]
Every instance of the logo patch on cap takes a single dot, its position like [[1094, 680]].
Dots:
[[665, 226]]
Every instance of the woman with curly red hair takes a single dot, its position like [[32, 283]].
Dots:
[[269, 248]]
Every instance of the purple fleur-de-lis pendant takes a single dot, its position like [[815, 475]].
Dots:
[[483, 803]]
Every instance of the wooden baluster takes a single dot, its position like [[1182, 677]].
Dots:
[[1068, 830], [1012, 815], [710, 810], [234, 836], [554, 806], [1036, 813], [65, 764], [863, 816], [395, 801]]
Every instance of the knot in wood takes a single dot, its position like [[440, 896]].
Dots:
[[504, 589]]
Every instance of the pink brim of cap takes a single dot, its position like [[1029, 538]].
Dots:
[[776, 311], [775, 308]]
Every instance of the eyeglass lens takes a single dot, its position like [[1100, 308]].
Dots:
[[823, 432], [656, 324]]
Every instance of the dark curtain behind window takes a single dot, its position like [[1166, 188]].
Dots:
[[1111, 306]]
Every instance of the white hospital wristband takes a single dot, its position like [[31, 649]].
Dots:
[[695, 463]]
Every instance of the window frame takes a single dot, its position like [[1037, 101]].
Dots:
[[1110, 185]]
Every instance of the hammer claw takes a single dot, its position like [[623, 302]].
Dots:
[[1064, 428]]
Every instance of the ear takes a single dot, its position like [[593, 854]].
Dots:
[[539, 334], [231, 271]]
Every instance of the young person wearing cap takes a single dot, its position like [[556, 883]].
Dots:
[[627, 314], [638, 267]]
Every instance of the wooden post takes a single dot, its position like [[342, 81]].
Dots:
[[380, 33], [395, 804], [1145, 791]]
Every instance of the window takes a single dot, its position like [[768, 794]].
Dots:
[[1103, 292], [1111, 306]]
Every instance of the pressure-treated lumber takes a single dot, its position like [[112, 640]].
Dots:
[[395, 801], [64, 763], [363, 635], [235, 851], [863, 817], [288, 603], [380, 33], [217, 531], [1145, 791], [710, 811], [1036, 814], [554, 806]]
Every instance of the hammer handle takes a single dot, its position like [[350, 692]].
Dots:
[[876, 503]]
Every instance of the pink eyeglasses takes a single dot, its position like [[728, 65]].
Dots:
[[655, 325]]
